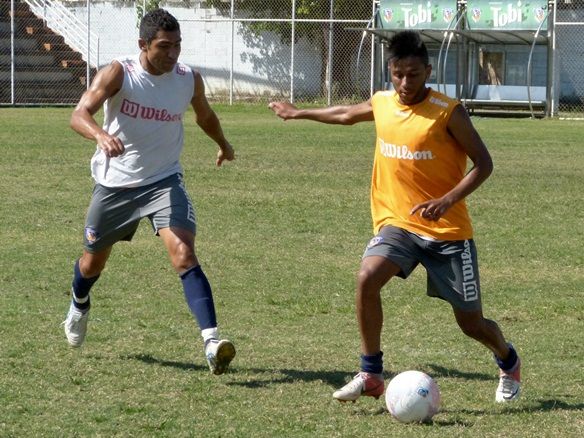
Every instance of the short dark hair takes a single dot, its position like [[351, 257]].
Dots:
[[155, 20], [406, 44]]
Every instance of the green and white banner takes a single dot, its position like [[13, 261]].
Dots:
[[481, 14], [506, 15], [416, 14]]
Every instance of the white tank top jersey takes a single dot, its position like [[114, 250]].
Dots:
[[147, 116]]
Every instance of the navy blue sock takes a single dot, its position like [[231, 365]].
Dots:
[[81, 287], [199, 297], [510, 361], [372, 364]]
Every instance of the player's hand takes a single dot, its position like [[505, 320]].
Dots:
[[110, 145], [284, 110], [225, 153], [433, 209]]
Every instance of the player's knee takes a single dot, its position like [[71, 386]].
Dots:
[[91, 266], [367, 280], [183, 257]]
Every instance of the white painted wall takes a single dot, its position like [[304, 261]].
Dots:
[[263, 69]]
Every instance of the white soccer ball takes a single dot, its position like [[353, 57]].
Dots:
[[412, 396]]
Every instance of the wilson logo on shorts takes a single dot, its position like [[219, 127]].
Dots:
[[470, 290], [191, 211]]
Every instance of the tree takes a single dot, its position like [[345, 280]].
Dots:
[[318, 34], [149, 5]]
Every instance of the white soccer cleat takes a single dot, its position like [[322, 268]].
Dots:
[[509, 385], [219, 355], [76, 326], [367, 384]]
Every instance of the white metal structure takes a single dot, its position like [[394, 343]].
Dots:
[[75, 32]]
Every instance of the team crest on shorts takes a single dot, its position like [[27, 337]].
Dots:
[[90, 234], [375, 241]]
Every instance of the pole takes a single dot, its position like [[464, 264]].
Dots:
[[87, 64], [12, 54], [329, 73], [292, 51], [372, 62], [551, 104], [232, 52]]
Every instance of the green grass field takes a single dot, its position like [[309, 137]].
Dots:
[[280, 235]]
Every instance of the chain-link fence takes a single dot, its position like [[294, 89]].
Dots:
[[246, 50], [296, 49]]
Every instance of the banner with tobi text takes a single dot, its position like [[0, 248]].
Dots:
[[505, 15], [416, 14]]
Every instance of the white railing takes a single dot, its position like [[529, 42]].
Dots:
[[76, 33]]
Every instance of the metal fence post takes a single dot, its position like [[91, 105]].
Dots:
[[551, 66], [12, 52], [88, 63], [292, 44], [231, 15], [374, 6], [329, 73]]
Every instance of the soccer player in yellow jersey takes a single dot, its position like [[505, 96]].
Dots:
[[418, 190]]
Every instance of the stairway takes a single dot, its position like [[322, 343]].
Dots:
[[46, 70]]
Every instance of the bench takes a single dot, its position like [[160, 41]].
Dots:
[[506, 98]]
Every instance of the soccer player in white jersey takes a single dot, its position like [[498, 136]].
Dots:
[[137, 171]]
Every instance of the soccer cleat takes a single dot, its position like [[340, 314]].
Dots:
[[76, 325], [219, 354], [367, 384], [509, 384]]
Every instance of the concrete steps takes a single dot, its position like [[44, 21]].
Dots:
[[46, 69]]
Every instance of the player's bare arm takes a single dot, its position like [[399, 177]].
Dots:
[[336, 115], [209, 122], [107, 83], [462, 129]]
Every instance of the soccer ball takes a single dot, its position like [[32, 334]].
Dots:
[[412, 396]]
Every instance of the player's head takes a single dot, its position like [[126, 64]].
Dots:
[[405, 44], [409, 66], [160, 42], [153, 21]]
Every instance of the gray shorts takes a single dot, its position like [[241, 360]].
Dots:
[[451, 265], [114, 213]]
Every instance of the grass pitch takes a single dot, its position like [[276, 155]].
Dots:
[[280, 235]]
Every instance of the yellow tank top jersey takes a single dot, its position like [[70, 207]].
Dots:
[[416, 160]]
